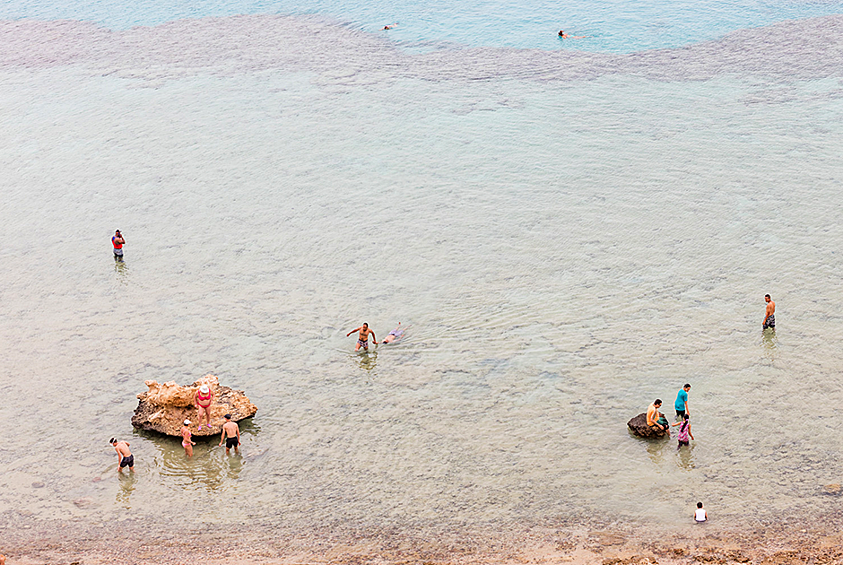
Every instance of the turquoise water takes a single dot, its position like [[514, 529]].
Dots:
[[610, 26], [570, 235]]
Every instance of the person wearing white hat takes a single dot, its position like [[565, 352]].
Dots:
[[186, 442], [203, 399]]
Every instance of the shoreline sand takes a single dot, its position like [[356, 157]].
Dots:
[[32, 542]]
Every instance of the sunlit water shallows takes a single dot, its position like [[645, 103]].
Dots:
[[568, 239]]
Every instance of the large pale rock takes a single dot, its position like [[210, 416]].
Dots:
[[164, 407], [638, 426]]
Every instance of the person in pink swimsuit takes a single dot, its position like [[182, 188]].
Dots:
[[186, 442], [685, 434], [203, 399]]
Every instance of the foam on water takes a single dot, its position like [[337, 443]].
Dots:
[[570, 234]]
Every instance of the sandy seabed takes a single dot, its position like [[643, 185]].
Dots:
[[30, 542]]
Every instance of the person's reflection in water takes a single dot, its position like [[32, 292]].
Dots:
[[234, 465], [122, 270], [656, 450], [127, 487], [686, 458], [769, 343], [368, 361]]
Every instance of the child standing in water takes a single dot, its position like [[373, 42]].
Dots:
[[186, 441], [684, 431]]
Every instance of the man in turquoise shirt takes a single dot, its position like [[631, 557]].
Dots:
[[681, 403]]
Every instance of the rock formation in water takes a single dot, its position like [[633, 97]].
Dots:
[[164, 407], [639, 427]]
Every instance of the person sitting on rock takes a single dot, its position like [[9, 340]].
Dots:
[[203, 399], [656, 419]]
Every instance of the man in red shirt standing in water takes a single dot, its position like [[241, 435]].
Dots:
[[117, 241]]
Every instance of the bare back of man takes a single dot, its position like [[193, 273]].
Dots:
[[124, 455], [230, 435]]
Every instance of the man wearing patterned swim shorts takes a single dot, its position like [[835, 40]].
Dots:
[[770, 318], [363, 337]]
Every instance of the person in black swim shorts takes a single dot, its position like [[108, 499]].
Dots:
[[231, 435], [126, 457]]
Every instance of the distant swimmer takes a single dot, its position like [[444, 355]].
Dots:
[[203, 399], [123, 453], [564, 35], [118, 241], [389, 26], [186, 442], [770, 318], [230, 435], [363, 337], [395, 335]]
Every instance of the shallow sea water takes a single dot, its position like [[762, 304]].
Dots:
[[566, 244]]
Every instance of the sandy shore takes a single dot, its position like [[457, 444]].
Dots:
[[68, 542]]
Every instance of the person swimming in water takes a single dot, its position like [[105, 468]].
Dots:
[[394, 335], [389, 26], [564, 35]]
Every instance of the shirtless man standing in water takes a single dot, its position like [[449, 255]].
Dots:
[[231, 435], [363, 337], [770, 318], [126, 457]]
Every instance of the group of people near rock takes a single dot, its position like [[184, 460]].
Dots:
[[204, 396], [657, 420], [203, 399]]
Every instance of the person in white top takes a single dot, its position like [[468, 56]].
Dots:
[[700, 515]]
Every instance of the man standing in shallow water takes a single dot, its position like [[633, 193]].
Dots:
[[770, 318], [363, 337], [681, 404], [126, 457], [230, 435]]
